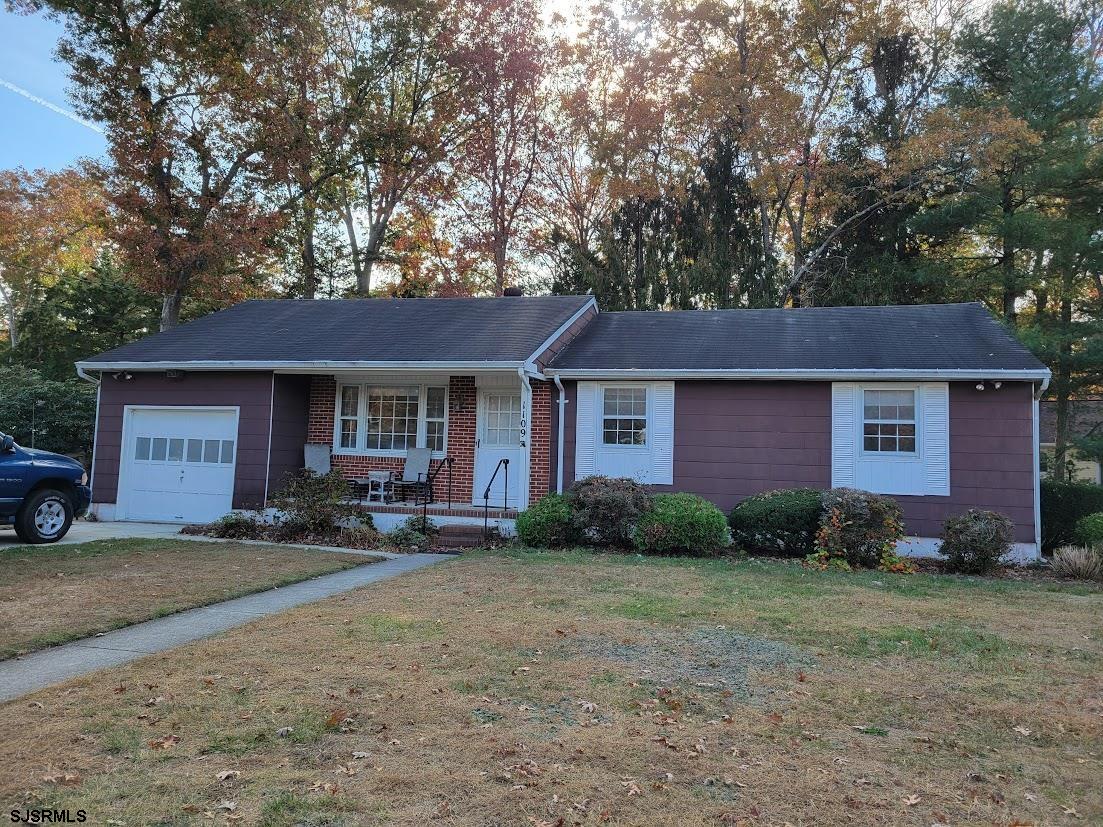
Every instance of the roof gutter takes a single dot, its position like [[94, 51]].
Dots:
[[837, 375], [83, 374]]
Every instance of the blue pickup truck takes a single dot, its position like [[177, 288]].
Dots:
[[40, 493]]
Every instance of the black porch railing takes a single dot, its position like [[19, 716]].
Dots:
[[503, 465]]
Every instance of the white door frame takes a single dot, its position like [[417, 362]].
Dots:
[[126, 451], [516, 470]]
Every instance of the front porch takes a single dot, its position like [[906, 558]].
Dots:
[[386, 516], [488, 433]]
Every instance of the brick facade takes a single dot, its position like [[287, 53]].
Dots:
[[460, 439], [540, 436]]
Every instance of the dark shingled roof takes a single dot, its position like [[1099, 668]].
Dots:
[[912, 337], [506, 329]]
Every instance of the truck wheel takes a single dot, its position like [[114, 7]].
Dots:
[[44, 518]]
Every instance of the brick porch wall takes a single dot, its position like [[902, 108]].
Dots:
[[461, 437], [541, 439]]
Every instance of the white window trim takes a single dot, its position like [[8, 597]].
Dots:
[[362, 418], [890, 456], [649, 398]]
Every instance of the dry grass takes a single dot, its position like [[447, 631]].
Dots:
[[51, 594], [524, 689]]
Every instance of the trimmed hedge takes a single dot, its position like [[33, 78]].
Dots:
[[546, 523], [682, 524], [605, 510], [1064, 504], [858, 529], [1089, 530], [782, 523], [974, 542]]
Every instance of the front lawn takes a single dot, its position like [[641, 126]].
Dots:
[[52, 594], [526, 688]]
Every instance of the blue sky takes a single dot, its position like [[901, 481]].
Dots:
[[31, 135]]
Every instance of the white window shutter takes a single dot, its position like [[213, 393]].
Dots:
[[846, 413], [935, 421], [661, 435], [585, 430]]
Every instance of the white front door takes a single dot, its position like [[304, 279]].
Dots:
[[177, 464], [499, 437]]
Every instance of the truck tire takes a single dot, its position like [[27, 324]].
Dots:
[[45, 517]]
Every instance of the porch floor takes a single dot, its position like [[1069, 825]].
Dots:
[[437, 509]]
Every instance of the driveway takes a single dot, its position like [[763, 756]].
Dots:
[[84, 532]]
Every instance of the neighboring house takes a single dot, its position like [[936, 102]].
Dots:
[[1085, 419], [933, 404]]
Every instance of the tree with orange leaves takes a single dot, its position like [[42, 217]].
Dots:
[[50, 223]]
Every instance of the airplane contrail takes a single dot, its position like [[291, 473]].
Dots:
[[52, 107]]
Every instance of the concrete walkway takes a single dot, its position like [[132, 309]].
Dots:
[[19, 676]]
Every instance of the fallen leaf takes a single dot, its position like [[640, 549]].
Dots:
[[335, 718], [1022, 730], [226, 775], [164, 743], [912, 800], [228, 806]]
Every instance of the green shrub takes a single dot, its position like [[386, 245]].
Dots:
[[1089, 530], [547, 523], [46, 413], [974, 542], [406, 539], [857, 529], [1063, 505], [605, 510], [315, 504], [682, 524], [236, 526], [422, 525], [1078, 562], [782, 523]]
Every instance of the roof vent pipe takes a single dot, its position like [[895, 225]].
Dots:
[[513, 291]]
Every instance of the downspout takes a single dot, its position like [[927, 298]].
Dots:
[[83, 374], [1038, 467], [559, 440]]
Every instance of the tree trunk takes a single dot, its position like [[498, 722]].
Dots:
[[13, 332], [170, 308], [363, 285], [1007, 263], [307, 255], [1062, 390]]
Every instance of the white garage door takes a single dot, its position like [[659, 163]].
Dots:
[[177, 464]]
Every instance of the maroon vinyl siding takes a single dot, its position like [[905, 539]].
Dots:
[[734, 439], [290, 412], [251, 392]]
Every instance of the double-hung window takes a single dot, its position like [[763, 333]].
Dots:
[[624, 416], [385, 419], [888, 423]]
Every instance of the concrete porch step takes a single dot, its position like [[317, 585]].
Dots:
[[459, 536]]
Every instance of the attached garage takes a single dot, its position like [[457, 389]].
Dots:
[[177, 463]]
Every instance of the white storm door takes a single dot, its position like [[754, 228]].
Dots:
[[178, 464], [498, 437]]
